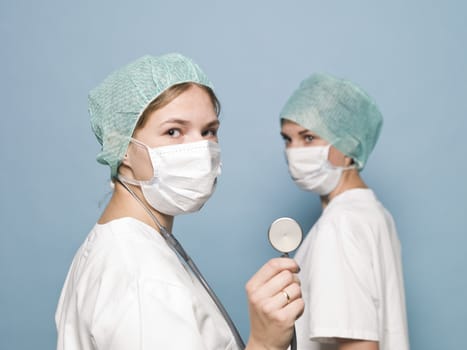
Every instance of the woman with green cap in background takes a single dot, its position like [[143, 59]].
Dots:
[[350, 261], [128, 288]]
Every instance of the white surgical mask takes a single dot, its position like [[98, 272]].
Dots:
[[184, 176], [311, 170]]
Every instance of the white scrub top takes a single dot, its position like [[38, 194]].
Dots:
[[126, 289], [351, 276]]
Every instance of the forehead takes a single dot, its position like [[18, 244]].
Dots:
[[192, 105], [290, 127]]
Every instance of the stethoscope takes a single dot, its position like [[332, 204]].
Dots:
[[175, 245], [283, 235]]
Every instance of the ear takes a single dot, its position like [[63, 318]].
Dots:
[[348, 161], [126, 160]]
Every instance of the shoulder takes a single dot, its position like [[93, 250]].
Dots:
[[354, 221], [131, 249], [356, 210], [124, 271]]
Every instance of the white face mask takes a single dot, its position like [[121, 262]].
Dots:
[[184, 176], [311, 170]]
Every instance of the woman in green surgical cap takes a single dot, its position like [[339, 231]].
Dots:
[[350, 261], [127, 288]]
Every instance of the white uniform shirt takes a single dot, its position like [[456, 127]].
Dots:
[[126, 289], [351, 276]]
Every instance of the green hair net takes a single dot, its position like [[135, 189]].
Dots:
[[118, 102], [339, 112]]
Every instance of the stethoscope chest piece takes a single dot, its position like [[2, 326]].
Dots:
[[285, 235]]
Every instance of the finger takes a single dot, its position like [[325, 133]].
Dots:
[[286, 296], [289, 294], [275, 303], [292, 311], [272, 268], [269, 270], [287, 315], [297, 307], [275, 285]]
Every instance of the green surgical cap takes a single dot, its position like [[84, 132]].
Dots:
[[339, 112], [118, 102]]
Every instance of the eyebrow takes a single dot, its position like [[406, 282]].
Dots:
[[186, 122], [214, 123], [302, 132], [175, 121], [305, 131]]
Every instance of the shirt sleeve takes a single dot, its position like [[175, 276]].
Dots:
[[342, 293], [143, 315]]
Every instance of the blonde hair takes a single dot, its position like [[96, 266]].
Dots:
[[172, 93]]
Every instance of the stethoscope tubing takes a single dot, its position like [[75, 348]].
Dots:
[[293, 341], [175, 245]]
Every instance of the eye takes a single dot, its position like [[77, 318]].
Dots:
[[174, 132], [308, 138], [210, 132], [286, 139]]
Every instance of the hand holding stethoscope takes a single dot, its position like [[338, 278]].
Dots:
[[274, 293]]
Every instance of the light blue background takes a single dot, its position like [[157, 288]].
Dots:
[[410, 56]]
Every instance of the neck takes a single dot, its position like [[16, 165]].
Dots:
[[349, 180], [123, 204]]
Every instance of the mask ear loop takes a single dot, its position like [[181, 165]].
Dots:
[[121, 178], [329, 165], [139, 143]]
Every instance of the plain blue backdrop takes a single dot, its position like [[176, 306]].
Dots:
[[411, 56]]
